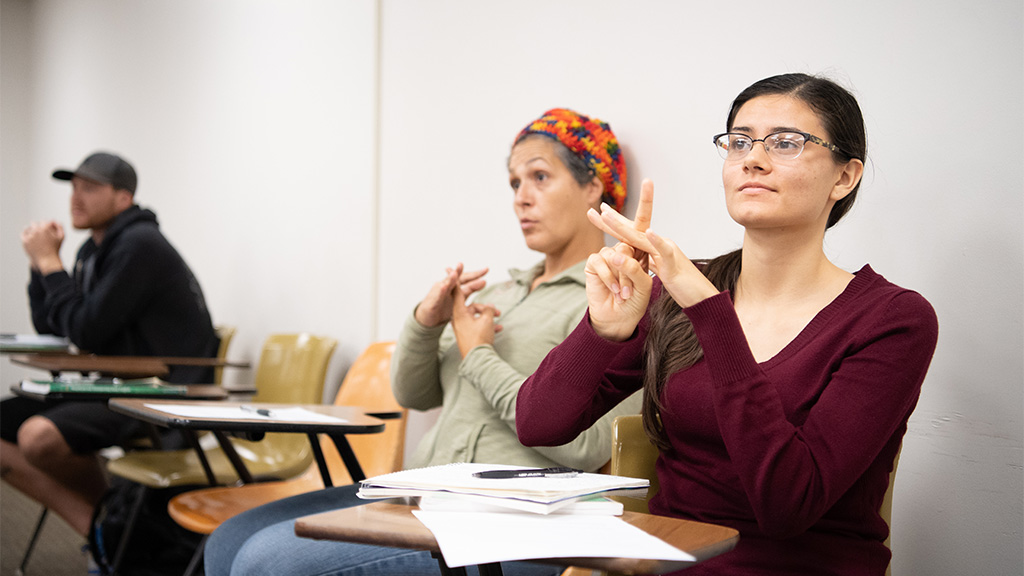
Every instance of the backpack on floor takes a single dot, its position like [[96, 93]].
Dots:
[[158, 545]]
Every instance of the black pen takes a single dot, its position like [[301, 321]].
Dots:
[[260, 411], [555, 472]]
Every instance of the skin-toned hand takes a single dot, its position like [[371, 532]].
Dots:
[[683, 281], [42, 241], [436, 307], [618, 286], [473, 323], [618, 289]]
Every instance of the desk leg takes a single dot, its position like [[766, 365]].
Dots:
[[193, 440], [236, 461], [325, 474], [349, 457], [493, 569]]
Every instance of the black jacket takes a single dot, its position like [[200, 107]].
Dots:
[[131, 295]]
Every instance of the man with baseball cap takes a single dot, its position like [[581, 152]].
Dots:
[[130, 293]]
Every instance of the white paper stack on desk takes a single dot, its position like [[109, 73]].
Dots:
[[453, 487]]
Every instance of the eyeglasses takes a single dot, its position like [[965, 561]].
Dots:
[[780, 145]]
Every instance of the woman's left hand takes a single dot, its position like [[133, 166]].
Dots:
[[683, 281], [473, 323]]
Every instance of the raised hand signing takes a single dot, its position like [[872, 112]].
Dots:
[[436, 307], [618, 285]]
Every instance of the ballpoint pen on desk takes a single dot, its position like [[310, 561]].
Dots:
[[554, 472], [260, 411]]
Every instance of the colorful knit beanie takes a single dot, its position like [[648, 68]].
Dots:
[[593, 141]]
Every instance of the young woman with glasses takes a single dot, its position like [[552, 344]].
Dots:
[[777, 385]]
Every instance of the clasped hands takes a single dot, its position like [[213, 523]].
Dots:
[[446, 301], [618, 283], [42, 241]]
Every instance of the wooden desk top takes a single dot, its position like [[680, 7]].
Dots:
[[121, 366], [192, 392], [390, 523], [355, 420]]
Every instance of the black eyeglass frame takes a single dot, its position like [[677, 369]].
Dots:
[[807, 138]]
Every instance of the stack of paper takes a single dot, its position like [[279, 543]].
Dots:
[[453, 487], [33, 343]]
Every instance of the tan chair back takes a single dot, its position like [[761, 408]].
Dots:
[[293, 368], [635, 456], [368, 385], [225, 333]]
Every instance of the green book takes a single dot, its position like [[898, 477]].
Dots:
[[115, 386]]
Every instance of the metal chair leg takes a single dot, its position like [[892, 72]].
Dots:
[[32, 543], [197, 557], [129, 529]]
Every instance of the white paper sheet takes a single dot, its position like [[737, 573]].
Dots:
[[236, 413], [468, 538]]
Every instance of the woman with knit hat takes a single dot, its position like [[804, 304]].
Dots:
[[469, 357]]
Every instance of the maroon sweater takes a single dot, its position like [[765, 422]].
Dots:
[[794, 452]]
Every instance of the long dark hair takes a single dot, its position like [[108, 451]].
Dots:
[[671, 344]]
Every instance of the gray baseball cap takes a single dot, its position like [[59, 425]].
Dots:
[[104, 168]]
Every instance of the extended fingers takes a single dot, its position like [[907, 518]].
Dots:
[[645, 207], [619, 227], [472, 275], [469, 282]]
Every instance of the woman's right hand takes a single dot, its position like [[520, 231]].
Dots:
[[680, 277], [618, 285], [436, 307], [618, 290]]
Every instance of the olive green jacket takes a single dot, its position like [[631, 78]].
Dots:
[[477, 395]]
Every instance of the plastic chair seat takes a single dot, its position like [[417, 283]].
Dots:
[[202, 511], [276, 456]]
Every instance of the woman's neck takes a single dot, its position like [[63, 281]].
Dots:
[[557, 262], [776, 266]]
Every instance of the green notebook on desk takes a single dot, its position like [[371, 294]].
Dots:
[[110, 386]]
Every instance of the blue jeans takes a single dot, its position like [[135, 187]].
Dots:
[[262, 541]]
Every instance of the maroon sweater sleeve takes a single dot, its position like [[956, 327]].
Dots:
[[793, 473], [579, 381]]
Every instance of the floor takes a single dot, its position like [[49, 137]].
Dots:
[[58, 550]]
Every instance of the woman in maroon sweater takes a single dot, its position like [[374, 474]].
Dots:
[[777, 385]]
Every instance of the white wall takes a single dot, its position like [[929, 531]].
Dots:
[[15, 131], [252, 124]]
